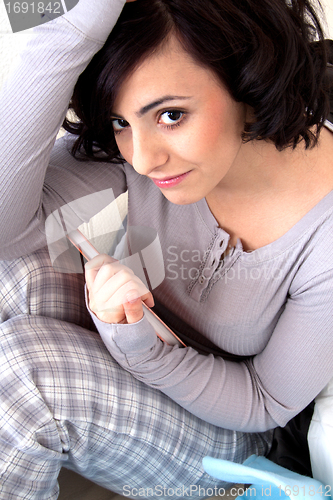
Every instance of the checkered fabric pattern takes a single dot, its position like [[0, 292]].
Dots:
[[30, 285], [66, 402]]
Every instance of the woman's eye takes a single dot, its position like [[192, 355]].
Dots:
[[119, 124], [171, 117]]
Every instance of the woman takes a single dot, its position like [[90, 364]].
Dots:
[[218, 111]]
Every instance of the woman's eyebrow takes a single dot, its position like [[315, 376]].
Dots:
[[152, 105], [163, 99]]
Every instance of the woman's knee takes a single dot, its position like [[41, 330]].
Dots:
[[31, 285], [61, 364]]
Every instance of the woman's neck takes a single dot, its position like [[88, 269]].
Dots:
[[266, 191]]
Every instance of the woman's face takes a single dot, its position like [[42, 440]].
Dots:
[[175, 123]]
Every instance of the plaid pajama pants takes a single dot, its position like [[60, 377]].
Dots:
[[66, 402]]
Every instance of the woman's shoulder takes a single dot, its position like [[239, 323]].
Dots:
[[72, 178], [62, 158], [314, 249]]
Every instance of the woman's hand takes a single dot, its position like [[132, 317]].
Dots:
[[115, 293]]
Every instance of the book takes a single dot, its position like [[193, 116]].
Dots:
[[165, 333]]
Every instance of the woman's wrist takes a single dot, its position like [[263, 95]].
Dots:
[[129, 337], [135, 338]]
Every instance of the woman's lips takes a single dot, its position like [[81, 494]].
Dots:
[[170, 181]]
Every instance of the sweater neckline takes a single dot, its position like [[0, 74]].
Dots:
[[281, 244]]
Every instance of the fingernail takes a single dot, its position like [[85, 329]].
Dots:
[[132, 297]]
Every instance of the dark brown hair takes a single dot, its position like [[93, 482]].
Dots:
[[269, 54]]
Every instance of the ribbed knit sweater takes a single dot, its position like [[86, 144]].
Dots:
[[270, 308]]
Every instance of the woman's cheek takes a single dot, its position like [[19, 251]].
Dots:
[[192, 144], [125, 148]]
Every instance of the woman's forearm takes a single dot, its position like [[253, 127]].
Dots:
[[33, 104]]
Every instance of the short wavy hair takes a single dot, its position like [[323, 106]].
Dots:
[[269, 54]]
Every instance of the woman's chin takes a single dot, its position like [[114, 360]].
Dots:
[[181, 198]]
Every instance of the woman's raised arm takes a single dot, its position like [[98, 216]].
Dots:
[[33, 103]]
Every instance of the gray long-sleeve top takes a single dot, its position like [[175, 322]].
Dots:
[[271, 307]]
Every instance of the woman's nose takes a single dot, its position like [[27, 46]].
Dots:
[[149, 152]]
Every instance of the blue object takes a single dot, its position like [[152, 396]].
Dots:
[[268, 480]]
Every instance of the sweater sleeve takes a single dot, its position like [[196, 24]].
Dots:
[[33, 102], [255, 395]]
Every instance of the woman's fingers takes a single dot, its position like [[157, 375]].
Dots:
[[133, 308], [110, 284], [115, 294], [94, 265], [148, 299], [112, 277]]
